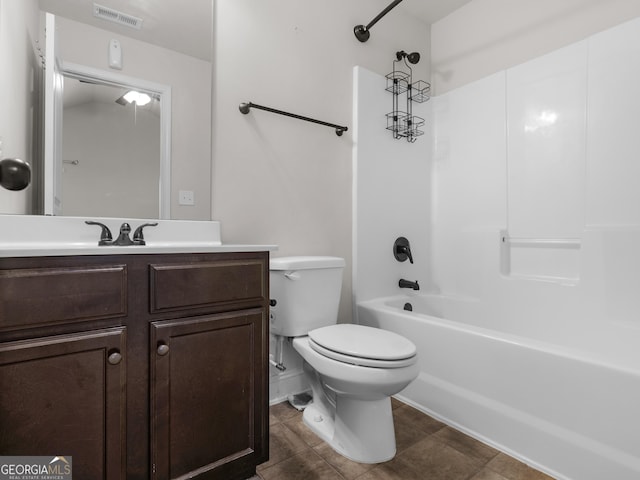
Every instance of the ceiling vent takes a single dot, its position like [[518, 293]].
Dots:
[[106, 13]]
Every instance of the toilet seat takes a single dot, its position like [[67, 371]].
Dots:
[[364, 346]]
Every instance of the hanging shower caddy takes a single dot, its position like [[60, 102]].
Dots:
[[403, 124]]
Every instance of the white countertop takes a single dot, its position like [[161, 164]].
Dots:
[[57, 251], [36, 236]]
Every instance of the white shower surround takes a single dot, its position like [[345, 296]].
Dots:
[[524, 201]]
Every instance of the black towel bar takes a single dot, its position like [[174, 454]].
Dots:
[[245, 107]]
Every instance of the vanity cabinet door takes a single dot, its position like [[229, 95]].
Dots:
[[64, 395], [209, 396]]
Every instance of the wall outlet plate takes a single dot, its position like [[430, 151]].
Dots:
[[186, 197]]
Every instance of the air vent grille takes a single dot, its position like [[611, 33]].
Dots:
[[111, 15]]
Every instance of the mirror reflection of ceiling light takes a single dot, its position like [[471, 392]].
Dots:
[[140, 99]]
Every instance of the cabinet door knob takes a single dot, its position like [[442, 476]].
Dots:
[[163, 349], [114, 358]]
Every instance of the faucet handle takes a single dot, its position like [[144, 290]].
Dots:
[[402, 250], [138, 236], [105, 235]]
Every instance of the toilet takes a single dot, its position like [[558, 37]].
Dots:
[[353, 370]]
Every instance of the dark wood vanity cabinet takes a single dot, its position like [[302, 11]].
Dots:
[[203, 408], [137, 366], [65, 395]]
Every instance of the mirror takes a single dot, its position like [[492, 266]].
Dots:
[[159, 59], [115, 152]]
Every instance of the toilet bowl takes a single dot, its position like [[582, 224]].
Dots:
[[352, 369], [351, 408], [358, 361]]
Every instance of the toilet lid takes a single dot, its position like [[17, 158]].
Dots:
[[363, 345]]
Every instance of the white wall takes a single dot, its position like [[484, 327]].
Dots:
[[282, 181], [19, 92], [190, 82], [277, 180], [486, 36]]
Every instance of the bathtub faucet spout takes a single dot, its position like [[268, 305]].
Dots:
[[407, 284]]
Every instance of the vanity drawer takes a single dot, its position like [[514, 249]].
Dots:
[[206, 284], [49, 296]]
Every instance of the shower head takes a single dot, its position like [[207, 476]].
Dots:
[[412, 58]]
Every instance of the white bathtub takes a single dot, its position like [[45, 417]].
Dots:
[[570, 410]]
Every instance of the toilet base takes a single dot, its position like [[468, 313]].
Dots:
[[359, 430]]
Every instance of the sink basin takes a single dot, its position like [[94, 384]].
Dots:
[[36, 235]]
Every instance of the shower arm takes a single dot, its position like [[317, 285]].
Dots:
[[362, 33]]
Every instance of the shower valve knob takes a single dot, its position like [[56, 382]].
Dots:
[[402, 250]]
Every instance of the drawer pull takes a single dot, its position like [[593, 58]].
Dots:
[[114, 358], [163, 349]]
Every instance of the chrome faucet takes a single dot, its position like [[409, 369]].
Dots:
[[407, 284]]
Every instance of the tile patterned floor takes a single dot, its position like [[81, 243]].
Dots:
[[426, 450]]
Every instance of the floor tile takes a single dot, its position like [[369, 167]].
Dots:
[[283, 411], [466, 444], [411, 426], [407, 434], [512, 469], [296, 424], [487, 474], [305, 465], [283, 444], [407, 415], [438, 461], [345, 467], [426, 449], [391, 471]]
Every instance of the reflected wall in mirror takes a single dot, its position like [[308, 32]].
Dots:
[[162, 52], [111, 151]]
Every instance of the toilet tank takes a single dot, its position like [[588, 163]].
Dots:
[[306, 291]]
